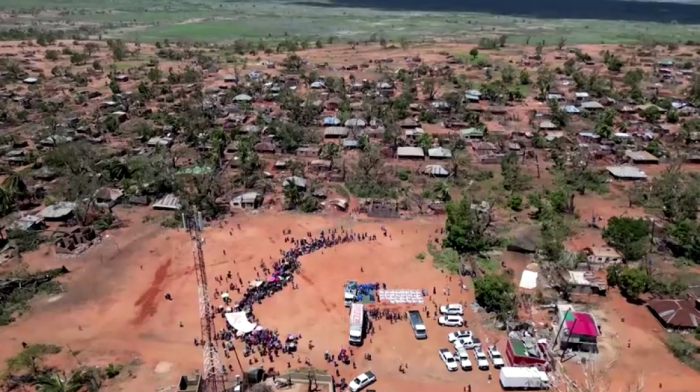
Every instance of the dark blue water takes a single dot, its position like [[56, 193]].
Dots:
[[548, 9]]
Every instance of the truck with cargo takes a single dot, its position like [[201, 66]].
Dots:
[[523, 378], [419, 330], [350, 292], [357, 324]]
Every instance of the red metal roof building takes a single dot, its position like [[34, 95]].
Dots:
[[676, 313], [579, 331], [528, 353]]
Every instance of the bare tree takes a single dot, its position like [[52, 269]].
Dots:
[[596, 378]]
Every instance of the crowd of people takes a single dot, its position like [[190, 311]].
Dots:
[[266, 342]]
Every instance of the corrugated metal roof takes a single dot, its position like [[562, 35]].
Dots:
[[247, 198], [168, 202], [295, 180], [626, 172], [676, 313], [436, 170], [439, 152], [336, 131], [413, 152], [58, 210], [355, 122], [641, 156]]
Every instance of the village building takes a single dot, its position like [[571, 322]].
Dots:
[[410, 153], [58, 212], [626, 173], [577, 331], [436, 171], [167, 202], [524, 350], [641, 157], [248, 200], [678, 314], [439, 153], [602, 257]]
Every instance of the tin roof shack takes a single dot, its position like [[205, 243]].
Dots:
[[676, 313], [247, 201], [641, 157], [58, 212], [584, 283], [578, 331], [525, 350], [379, 208], [626, 173], [167, 202], [28, 222], [336, 132], [410, 153], [108, 197], [601, 257], [77, 241], [439, 153]]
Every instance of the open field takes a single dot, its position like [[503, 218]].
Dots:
[[115, 311], [213, 21]]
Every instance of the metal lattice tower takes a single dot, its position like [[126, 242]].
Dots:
[[213, 376]]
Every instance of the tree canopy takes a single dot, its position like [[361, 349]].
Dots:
[[628, 235]]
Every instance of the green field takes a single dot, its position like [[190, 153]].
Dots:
[[214, 21]]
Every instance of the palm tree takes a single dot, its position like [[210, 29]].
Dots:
[[5, 202], [330, 151], [442, 192], [15, 187], [59, 383]]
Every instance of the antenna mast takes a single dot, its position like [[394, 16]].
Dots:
[[213, 376]]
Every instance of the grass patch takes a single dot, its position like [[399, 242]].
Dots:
[[445, 259], [420, 257], [488, 265], [683, 349]]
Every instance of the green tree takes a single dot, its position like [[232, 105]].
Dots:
[[118, 48], [508, 74], [468, 229], [672, 116], [684, 239], [514, 179], [545, 81], [495, 293], [474, 53], [633, 282], [651, 114], [52, 55], [628, 235], [524, 77]]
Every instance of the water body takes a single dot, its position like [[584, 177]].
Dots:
[[661, 11]]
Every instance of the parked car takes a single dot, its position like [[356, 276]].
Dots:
[[451, 321], [496, 357], [453, 309], [481, 362], [467, 343], [362, 381], [452, 336], [448, 359], [463, 357]]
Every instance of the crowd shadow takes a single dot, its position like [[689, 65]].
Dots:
[[638, 11]]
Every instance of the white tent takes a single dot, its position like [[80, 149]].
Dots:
[[239, 322], [528, 280]]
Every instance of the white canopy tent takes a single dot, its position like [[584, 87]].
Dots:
[[239, 321]]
